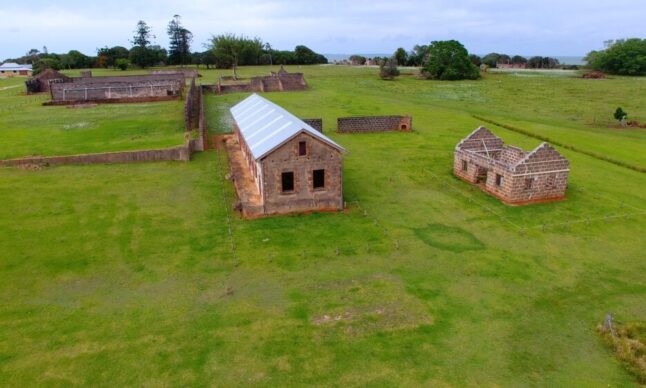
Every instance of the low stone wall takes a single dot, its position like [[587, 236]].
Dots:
[[132, 100], [179, 153], [315, 123], [98, 89], [277, 82], [362, 124]]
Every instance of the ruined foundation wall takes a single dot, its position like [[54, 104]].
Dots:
[[122, 87], [374, 124], [315, 123]]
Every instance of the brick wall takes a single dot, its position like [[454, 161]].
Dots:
[[374, 124], [181, 153], [315, 123], [120, 87], [319, 156]]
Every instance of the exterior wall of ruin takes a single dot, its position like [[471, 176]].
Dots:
[[515, 188], [314, 123], [374, 124], [121, 87], [278, 82], [304, 197], [179, 153]]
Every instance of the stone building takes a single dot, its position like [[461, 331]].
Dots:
[[41, 82], [509, 173], [291, 166], [10, 69]]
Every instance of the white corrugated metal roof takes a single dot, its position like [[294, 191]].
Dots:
[[265, 125], [14, 66]]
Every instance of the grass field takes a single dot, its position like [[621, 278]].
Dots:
[[127, 274], [28, 128]]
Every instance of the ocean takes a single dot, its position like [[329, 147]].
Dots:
[[564, 60]]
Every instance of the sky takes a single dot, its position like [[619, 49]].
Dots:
[[534, 27]]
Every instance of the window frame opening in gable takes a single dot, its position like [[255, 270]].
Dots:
[[302, 148], [500, 180], [318, 179], [287, 182]]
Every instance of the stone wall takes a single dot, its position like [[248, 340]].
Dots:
[[180, 153], [97, 89], [362, 124], [544, 182], [315, 123], [277, 82], [320, 156]]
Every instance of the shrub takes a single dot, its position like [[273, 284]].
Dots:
[[629, 345], [388, 69], [122, 64], [620, 114]]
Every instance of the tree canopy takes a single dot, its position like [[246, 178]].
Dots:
[[179, 48], [623, 57], [449, 60]]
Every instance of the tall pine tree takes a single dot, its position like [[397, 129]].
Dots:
[[180, 42]]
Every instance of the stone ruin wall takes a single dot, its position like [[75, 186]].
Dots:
[[315, 123], [279, 82], [514, 190], [374, 124], [97, 89]]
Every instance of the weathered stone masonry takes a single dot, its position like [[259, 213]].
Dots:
[[123, 88], [374, 124], [509, 173], [286, 165]]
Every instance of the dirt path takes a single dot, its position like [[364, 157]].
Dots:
[[10, 87]]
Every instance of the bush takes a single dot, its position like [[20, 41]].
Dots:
[[388, 69], [620, 114], [122, 64], [629, 345]]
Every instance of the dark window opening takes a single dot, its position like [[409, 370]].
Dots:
[[318, 179], [550, 182], [499, 180], [403, 127], [302, 148], [287, 181], [465, 165], [529, 183]]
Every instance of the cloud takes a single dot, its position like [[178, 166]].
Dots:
[[547, 27]]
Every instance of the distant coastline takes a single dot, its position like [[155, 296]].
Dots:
[[564, 60]]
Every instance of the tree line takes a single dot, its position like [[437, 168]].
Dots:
[[222, 51]]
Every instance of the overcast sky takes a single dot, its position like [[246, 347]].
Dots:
[[526, 27]]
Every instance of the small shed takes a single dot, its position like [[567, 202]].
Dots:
[[10, 69]]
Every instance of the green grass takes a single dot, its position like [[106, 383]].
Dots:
[[29, 128], [127, 275]]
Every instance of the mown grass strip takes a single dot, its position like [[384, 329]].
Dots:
[[564, 145]]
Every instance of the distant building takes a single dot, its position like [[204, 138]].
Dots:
[[511, 65], [509, 173], [292, 166], [9, 70]]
